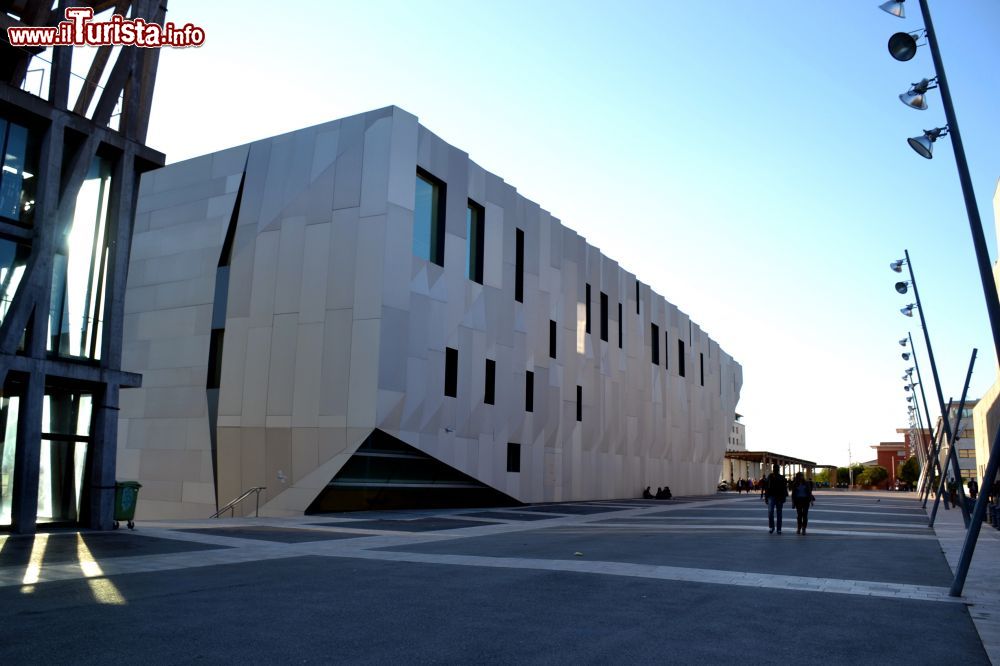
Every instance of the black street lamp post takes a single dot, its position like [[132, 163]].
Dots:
[[985, 276]]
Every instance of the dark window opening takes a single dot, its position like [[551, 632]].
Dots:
[[519, 266], [654, 343], [637, 297], [450, 372], [666, 350], [701, 360], [586, 308], [428, 218], [552, 339], [215, 358], [513, 457], [475, 229], [604, 316], [529, 391], [619, 326], [579, 403], [491, 375], [680, 358]]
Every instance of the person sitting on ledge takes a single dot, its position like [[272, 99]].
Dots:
[[646, 494], [663, 493]]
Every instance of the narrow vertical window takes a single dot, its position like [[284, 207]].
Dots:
[[428, 218], [666, 350], [513, 457], [529, 391], [215, 358], [579, 403], [654, 343], [491, 375], [552, 339], [619, 326], [475, 234], [701, 362], [604, 316], [586, 309], [450, 372], [637, 297], [680, 358], [519, 266]]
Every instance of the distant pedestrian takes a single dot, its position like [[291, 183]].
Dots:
[[802, 499], [775, 493], [646, 494], [973, 488]]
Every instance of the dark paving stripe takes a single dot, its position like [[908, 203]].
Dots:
[[917, 562], [16, 550], [838, 515], [722, 523], [418, 525], [570, 509], [506, 516], [408, 613], [277, 534]]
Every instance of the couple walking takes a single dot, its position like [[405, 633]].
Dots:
[[776, 492]]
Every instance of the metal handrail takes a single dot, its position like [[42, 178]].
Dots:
[[231, 507]]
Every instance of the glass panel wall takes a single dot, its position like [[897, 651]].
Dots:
[[17, 177], [80, 271], [65, 442], [8, 440], [13, 257]]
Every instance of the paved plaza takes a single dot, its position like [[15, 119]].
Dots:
[[677, 581]]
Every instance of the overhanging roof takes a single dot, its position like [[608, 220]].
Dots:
[[768, 457]]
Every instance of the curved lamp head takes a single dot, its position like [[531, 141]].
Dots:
[[924, 145], [894, 7], [907, 387], [897, 265], [901, 287], [908, 310], [906, 356], [916, 96], [902, 342], [909, 371], [903, 46]]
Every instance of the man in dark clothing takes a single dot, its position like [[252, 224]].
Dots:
[[973, 488], [775, 493]]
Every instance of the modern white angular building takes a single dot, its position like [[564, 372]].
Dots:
[[358, 315]]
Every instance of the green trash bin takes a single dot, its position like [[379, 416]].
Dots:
[[126, 496]]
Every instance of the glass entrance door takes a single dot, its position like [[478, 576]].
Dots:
[[66, 418]]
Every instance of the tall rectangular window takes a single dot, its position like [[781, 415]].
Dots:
[[552, 339], [604, 316], [701, 361], [428, 218], [475, 234], [619, 326], [450, 372], [654, 343], [519, 266], [680, 358], [579, 403], [513, 457], [666, 350], [586, 309], [18, 152], [637, 297], [529, 391], [491, 377]]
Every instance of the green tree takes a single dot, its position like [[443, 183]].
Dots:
[[822, 477], [843, 475], [857, 469], [908, 472], [872, 476]]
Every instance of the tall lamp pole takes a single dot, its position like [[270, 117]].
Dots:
[[920, 381], [901, 287], [985, 276]]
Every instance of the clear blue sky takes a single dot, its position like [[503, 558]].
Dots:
[[745, 157]]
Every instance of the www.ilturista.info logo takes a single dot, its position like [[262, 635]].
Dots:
[[80, 29]]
